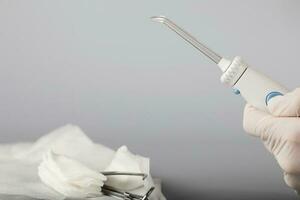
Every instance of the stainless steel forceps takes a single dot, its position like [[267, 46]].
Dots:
[[124, 195]]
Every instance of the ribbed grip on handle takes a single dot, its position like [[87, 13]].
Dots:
[[234, 71]]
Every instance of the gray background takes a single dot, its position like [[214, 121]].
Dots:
[[104, 66]]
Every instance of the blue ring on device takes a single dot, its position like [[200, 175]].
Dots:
[[271, 95]]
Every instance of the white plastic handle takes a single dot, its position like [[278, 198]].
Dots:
[[257, 89]]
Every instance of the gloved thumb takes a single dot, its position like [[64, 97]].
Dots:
[[287, 105]]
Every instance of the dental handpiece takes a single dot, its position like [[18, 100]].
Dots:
[[256, 88]]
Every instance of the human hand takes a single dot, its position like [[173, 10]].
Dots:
[[280, 132]]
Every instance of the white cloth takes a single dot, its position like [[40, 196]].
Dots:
[[19, 163], [70, 177], [125, 161]]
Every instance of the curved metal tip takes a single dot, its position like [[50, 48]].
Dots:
[[188, 37], [160, 19]]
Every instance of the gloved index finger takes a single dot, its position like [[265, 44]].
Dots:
[[264, 125], [252, 118], [287, 105]]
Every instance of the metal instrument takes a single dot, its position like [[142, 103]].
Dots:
[[124, 195], [256, 88]]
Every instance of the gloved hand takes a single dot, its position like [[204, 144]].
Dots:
[[280, 132]]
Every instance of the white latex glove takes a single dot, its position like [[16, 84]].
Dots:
[[280, 132]]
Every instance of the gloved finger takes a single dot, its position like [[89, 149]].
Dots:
[[254, 118], [292, 180], [286, 153], [270, 128], [287, 105]]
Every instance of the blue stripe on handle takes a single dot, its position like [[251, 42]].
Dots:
[[271, 95], [236, 91]]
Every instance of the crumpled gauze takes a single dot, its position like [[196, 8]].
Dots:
[[70, 177], [125, 161], [19, 163]]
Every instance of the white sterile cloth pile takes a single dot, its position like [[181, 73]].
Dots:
[[66, 164]]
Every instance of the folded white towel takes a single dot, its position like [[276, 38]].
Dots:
[[70, 177], [66, 146], [125, 161]]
